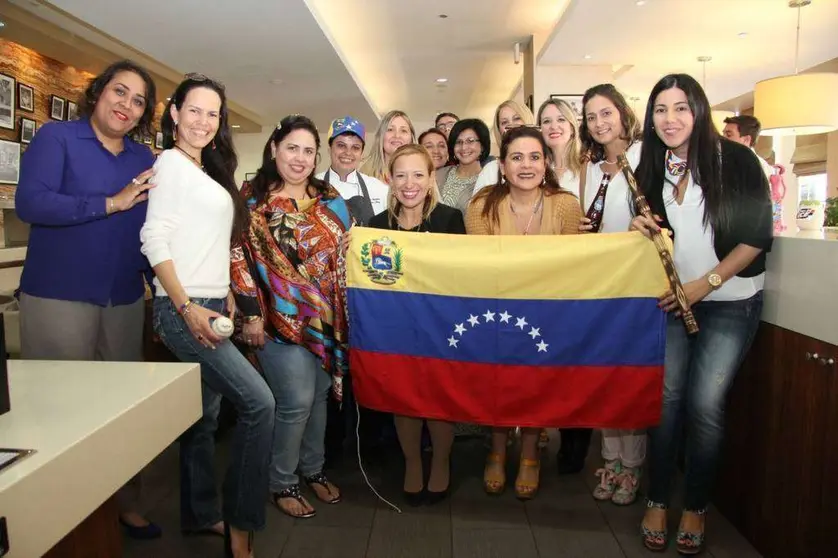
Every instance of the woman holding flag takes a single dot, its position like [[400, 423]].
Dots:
[[712, 194], [527, 199], [413, 205]]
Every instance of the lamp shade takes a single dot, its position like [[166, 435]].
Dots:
[[797, 105], [719, 116]]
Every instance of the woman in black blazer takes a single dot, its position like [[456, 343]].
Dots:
[[712, 194]]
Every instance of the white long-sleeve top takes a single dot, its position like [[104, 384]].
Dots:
[[189, 221]]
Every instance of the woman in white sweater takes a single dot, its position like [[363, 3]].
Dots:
[[193, 213]]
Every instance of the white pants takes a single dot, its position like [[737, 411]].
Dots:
[[629, 446]]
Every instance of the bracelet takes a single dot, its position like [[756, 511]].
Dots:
[[110, 205], [252, 319], [184, 308]]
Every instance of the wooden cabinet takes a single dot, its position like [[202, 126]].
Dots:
[[778, 479]]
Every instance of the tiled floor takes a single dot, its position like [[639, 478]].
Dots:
[[563, 521]]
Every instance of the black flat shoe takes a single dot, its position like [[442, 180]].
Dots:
[[414, 499], [145, 533]]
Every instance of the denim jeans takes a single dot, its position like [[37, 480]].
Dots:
[[698, 372], [225, 372], [301, 388]]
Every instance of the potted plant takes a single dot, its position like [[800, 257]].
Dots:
[[830, 214]]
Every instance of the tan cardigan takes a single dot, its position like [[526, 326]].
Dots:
[[560, 215]]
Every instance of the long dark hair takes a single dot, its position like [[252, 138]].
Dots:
[[218, 157], [591, 149], [268, 176], [703, 154], [495, 194], [88, 100]]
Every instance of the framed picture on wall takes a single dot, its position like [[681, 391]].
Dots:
[[72, 110], [27, 130], [25, 97], [9, 162], [56, 107], [7, 102], [575, 102], [158, 140]]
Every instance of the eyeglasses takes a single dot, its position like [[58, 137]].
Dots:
[[467, 141], [445, 126]]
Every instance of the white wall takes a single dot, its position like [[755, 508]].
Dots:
[[567, 80]]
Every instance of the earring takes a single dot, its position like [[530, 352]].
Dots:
[[213, 144]]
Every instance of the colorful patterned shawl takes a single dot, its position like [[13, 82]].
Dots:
[[294, 250]]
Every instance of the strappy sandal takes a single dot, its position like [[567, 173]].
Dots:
[[689, 543], [293, 492], [654, 539], [524, 489], [320, 478], [494, 475]]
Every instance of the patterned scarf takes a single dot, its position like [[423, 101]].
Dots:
[[675, 166], [293, 250]]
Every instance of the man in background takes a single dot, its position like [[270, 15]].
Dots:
[[445, 121], [745, 129]]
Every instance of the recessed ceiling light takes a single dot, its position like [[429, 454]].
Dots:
[[443, 16], [587, 57], [2, 24], [442, 80], [235, 126], [168, 98], [640, 2], [742, 35], [276, 81]]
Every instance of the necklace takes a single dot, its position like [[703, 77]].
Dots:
[[610, 162], [675, 168], [194, 160], [536, 206]]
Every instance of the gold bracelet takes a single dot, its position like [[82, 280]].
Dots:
[[252, 319]]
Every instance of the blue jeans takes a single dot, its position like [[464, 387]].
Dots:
[[225, 372], [698, 372], [301, 388]]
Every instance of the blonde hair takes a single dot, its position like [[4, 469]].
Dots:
[[573, 152], [375, 163], [521, 110], [433, 196]]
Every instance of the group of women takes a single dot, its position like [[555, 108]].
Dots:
[[272, 255]]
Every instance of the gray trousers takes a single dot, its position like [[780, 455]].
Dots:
[[53, 329]]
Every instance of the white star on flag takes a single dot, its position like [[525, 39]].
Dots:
[[535, 332], [473, 320], [452, 341], [542, 346], [521, 323], [504, 318], [459, 329], [490, 316]]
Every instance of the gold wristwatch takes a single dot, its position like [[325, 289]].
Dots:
[[715, 280]]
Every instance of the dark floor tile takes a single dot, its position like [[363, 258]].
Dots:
[[326, 542], [576, 543], [724, 541], [473, 510], [494, 543], [416, 533]]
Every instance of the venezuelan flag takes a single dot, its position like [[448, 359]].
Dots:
[[508, 330]]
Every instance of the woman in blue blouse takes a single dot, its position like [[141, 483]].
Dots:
[[82, 188]]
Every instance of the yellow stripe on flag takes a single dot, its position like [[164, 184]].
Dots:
[[588, 266]]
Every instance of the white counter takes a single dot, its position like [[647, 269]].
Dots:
[[801, 284], [94, 426]]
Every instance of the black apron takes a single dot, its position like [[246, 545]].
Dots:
[[360, 207]]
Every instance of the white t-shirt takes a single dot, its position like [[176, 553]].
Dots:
[[694, 253], [350, 188], [617, 216], [189, 221], [489, 176], [766, 167]]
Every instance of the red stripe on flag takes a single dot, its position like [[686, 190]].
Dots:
[[502, 395]]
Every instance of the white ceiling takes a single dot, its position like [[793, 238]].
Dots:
[[337, 57], [665, 36], [243, 43]]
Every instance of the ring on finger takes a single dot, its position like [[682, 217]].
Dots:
[[135, 181]]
